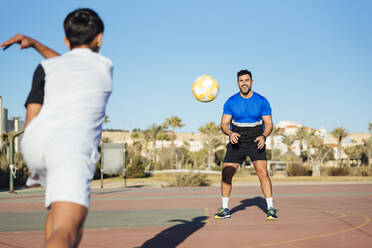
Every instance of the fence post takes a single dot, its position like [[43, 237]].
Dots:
[[125, 165], [11, 159]]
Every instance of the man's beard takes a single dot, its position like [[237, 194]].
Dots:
[[245, 93]]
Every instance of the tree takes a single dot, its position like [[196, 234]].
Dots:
[[340, 134], [275, 132], [183, 156], [4, 142], [140, 141], [173, 122], [370, 142], [106, 140], [351, 152], [212, 141], [365, 149], [155, 132], [316, 151], [288, 140], [301, 136], [198, 157]]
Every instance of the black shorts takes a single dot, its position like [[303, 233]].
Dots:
[[237, 153]]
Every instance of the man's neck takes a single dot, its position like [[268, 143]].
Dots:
[[83, 46], [250, 93]]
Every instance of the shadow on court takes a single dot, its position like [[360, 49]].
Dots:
[[175, 235], [257, 201]]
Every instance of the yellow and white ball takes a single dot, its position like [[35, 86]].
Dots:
[[205, 88]]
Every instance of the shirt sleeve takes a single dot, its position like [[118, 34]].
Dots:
[[266, 108], [36, 94], [227, 108]]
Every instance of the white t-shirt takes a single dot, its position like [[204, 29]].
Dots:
[[77, 87]]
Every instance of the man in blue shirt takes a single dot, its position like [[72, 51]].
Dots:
[[248, 122]]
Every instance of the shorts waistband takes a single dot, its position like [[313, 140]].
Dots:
[[252, 124]]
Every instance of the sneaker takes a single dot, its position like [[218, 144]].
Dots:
[[271, 214], [222, 213]]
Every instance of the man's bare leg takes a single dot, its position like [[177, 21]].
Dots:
[[228, 171], [263, 175], [48, 226], [67, 221], [261, 170]]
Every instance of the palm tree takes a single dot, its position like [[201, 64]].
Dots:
[[173, 122], [340, 134], [137, 143], [212, 141], [275, 132], [141, 140], [351, 152], [155, 133], [301, 135]]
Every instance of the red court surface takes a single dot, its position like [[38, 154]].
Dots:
[[331, 215]]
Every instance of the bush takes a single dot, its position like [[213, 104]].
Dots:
[[364, 171], [295, 169], [137, 168], [216, 168], [21, 171], [190, 179], [338, 171], [165, 160]]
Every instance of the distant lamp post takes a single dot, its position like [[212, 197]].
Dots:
[[12, 169], [370, 144]]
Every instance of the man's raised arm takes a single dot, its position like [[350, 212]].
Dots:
[[26, 42]]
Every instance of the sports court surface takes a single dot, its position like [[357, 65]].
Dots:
[[330, 215]]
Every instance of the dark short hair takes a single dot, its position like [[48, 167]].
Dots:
[[82, 26], [244, 72]]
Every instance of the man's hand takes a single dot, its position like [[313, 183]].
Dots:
[[22, 40], [260, 141], [26, 42], [234, 137]]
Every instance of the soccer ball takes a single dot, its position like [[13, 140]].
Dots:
[[205, 88]]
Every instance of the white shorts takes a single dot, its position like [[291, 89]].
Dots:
[[62, 166]]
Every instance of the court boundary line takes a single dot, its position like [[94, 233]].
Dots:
[[366, 221]]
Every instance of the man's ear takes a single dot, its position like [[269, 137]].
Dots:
[[96, 43], [98, 39], [67, 43]]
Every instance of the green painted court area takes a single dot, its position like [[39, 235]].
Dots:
[[30, 221]]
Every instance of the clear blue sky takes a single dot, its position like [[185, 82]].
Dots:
[[311, 59]]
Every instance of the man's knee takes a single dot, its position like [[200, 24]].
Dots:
[[262, 172], [66, 234], [227, 174], [70, 228]]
